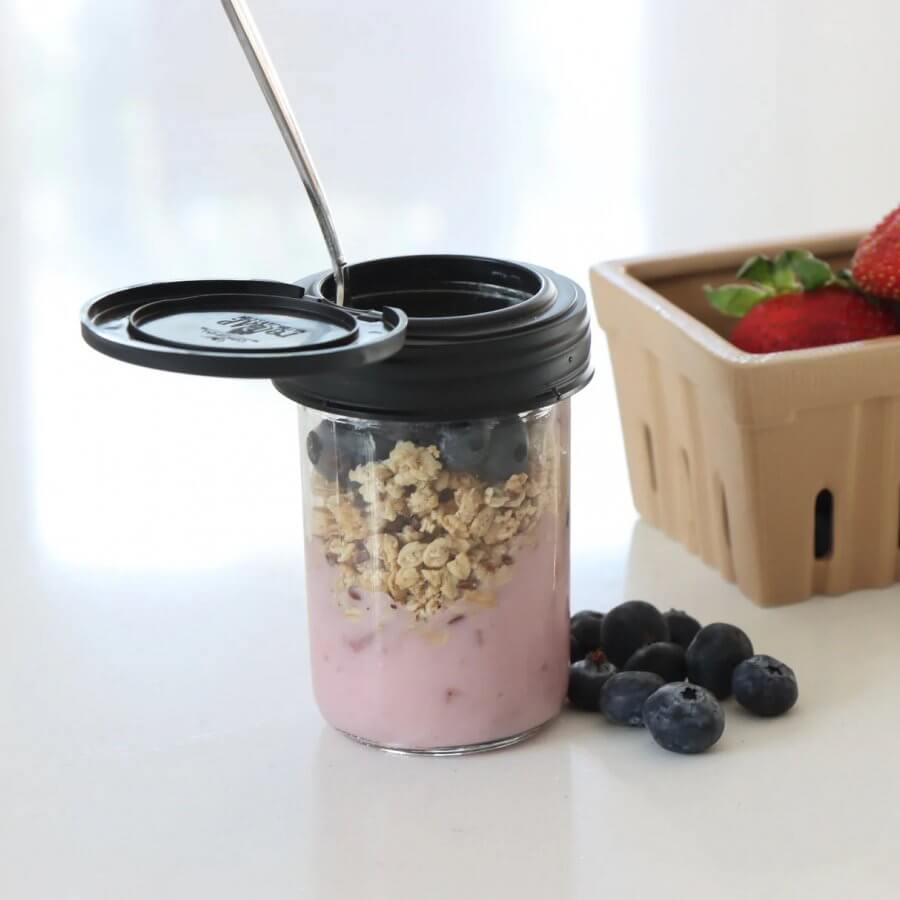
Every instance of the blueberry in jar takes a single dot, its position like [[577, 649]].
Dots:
[[334, 448], [664, 658], [629, 626], [385, 439], [586, 679], [684, 718], [714, 654], [425, 434], [622, 697], [507, 453], [464, 447], [764, 686], [682, 627], [585, 633], [388, 434]]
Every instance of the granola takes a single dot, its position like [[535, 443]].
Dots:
[[426, 536]]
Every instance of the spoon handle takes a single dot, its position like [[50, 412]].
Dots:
[[270, 84]]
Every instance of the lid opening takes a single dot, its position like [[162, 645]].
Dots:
[[430, 287]]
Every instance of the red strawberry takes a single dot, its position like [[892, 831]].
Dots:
[[876, 263], [794, 321]]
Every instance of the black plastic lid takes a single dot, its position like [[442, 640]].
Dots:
[[485, 337], [238, 329]]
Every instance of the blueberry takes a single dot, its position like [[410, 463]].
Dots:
[[585, 630], [713, 655], [315, 443], [586, 680], [386, 437], [425, 434], [684, 718], [334, 448], [682, 627], [507, 452], [629, 626], [464, 447], [623, 695], [388, 433], [664, 658], [764, 686]]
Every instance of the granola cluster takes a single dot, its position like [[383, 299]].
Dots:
[[426, 536]]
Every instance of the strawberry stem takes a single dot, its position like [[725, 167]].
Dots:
[[790, 272]]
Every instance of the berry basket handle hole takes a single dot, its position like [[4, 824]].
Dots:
[[823, 541]]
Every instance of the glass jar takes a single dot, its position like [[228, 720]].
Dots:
[[434, 421], [437, 574]]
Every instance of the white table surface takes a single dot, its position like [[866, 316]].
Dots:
[[158, 737]]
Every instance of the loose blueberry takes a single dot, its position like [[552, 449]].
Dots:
[[682, 627], [507, 451], [629, 626], [586, 680], [714, 654], [764, 686], [684, 718], [585, 633], [664, 658], [623, 695], [464, 447], [574, 650]]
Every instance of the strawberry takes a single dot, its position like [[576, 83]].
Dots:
[[795, 301], [876, 263], [829, 315]]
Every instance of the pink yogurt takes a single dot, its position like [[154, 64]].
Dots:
[[473, 674]]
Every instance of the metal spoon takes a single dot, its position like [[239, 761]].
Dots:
[[270, 84]]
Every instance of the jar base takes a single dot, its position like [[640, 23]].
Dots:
[[462, 750]]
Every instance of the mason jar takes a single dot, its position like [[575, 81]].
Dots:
[[437, 575], [434, 427]]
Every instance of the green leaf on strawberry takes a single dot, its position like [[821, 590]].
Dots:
[[737, 299], [785, 277], [811, 273], [760, 269], [790, 272]]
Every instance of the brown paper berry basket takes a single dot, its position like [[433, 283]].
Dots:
[[782, 471]]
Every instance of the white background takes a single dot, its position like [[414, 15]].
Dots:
[[158, 736]]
